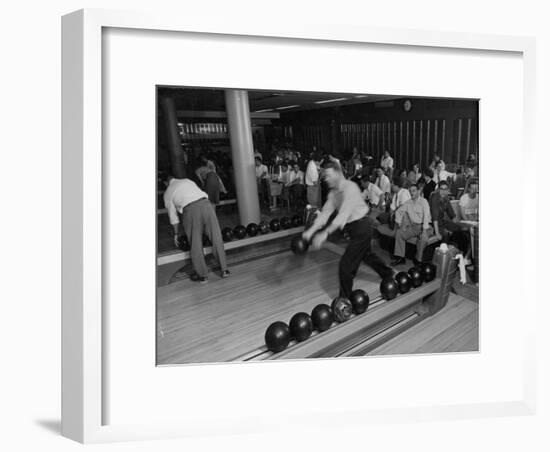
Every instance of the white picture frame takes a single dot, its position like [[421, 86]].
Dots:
[[84, 347]]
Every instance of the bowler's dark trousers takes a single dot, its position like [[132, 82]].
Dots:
[[200, 218], [359, 250]]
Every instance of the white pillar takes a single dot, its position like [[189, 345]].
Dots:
[[242, 152]]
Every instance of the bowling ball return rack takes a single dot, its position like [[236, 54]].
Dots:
[[383, 320]]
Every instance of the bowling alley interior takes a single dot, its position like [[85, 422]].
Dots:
[[243, 175]]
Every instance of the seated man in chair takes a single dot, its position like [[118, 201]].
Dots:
[[412, 219], [374, 197], [443, 214], [400, 196]]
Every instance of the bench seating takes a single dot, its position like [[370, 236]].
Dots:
[[387, 241], [385, 230]]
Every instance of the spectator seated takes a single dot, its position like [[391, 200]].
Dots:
[[387, 240]]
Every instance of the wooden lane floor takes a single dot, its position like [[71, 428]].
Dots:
[[453, 329], [226, 318]]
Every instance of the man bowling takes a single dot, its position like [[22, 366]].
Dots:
[[345, 198], [183, 196]]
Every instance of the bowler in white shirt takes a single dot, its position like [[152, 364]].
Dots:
[[183, 196], [345, 198]]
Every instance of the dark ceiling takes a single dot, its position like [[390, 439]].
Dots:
[[206, 99]]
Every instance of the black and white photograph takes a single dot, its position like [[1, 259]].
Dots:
[[293, 225]]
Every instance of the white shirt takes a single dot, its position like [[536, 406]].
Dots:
[[296, 176], [180, 193], [469, 207], [284, 176], [418, 211], [400, 198], [442, 175], [372, 194], [383, 183], [261, 170], [349, 203], [386, 162], [312, 173]]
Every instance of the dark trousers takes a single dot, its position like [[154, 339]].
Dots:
[[200, 219], [461, 239], [212, 187], [359, 250], [453, 233], [296, 192], [263, 191]]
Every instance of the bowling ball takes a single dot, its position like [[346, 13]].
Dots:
[[298, 245], [252, 229], [388, 288], [297, 221], [239, 231], [277, 337], [342, 309], [359, 300], [263, 227], [416, 276], [404, 282], [428, 270], [184, 243], [322, 317], [301, 326], [274, 225], [227, 234], [286, 223]]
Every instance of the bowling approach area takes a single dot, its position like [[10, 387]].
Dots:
[[240, 174], [226, 319]]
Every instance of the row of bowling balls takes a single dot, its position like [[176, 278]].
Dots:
[[253, 229], [390, 286], [278, 335]]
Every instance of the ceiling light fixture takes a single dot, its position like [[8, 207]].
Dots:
[[288, 106], [330, 100]]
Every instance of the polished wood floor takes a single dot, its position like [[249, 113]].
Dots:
[[227, 318], [453, 329]]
